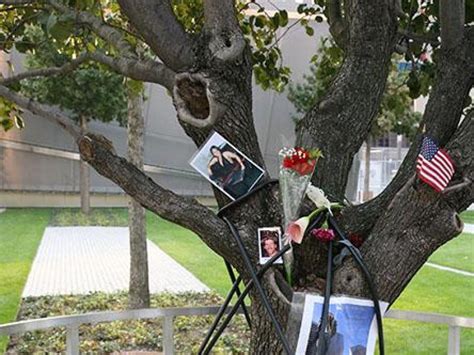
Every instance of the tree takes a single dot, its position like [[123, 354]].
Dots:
[[94, 92], [396, 109], [206, 63], [139, 290], [88, 93]]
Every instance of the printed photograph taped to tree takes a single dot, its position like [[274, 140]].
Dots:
[[351, 327], [226, 167], [269, 244]]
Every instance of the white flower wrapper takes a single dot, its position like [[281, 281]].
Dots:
[[292, 191]]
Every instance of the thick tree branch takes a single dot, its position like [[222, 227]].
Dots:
[[341, 121], [184, 211], [99, 153], [141, 70], [227, 41], [17, 2], [156, 22], [338, 27], [455, 78], [416, 223], [452, 17], [43, 72], [460, 194]]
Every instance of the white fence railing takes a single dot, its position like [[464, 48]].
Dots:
[[72, 323]]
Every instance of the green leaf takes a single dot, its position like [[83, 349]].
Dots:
[[276, 20], [61, 31], [260, 21], [309, 30], [301, 8], [283, 18], [23, 46], [134, 86], [7, 124]]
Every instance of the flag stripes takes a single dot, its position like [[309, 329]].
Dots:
[[434, 166]]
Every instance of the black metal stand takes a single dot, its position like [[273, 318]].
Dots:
[[212, 338], [230, 271], [258, 285], [209, 343]]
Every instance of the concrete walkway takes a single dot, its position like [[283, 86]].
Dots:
[[80, 260], [468, 228]]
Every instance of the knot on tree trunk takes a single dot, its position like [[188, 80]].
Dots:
[[227, 46], [194, 101]]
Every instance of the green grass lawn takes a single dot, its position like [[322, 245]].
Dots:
[[457, 253], [186, 248], [431, 290], [468, 217], [435, 291], [20, 234]]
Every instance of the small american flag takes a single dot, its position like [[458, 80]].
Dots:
[[434, 166]]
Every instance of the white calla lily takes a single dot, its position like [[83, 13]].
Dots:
[[318, 197]]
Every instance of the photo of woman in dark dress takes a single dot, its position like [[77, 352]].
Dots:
[[231, 171], [226, 167]]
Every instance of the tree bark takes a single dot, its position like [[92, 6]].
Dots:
[[454, 80], [84, 176], [341, 121], [401, 227], [139, 292], [368, 146]]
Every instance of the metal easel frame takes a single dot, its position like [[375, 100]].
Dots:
[[211, 338]]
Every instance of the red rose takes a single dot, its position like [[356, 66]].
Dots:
[[305, 168]]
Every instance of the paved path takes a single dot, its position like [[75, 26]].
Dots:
[[79, 260], [468, 228]]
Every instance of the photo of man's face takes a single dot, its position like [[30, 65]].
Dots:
[[269, 243], [270, 247]]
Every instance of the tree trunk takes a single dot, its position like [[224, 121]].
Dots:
[[139, 293], [368, 146], [84, 176], [213, 91]]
